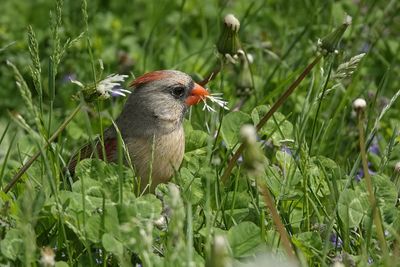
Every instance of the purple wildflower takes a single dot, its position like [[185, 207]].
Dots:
[[286, 150], [360, 173], [68, 77], [336, 240], [374, 148]]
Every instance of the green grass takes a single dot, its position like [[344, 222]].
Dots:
[[307, 156]]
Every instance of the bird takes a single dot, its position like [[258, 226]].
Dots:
[[151, 127]]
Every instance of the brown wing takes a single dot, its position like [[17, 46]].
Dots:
[[110, 147]]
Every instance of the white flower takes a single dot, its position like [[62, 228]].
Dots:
[[217, 99], [110, 85]]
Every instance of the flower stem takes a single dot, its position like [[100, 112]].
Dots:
[[273, 109], [277, 221], [26, 166], [368, 181]]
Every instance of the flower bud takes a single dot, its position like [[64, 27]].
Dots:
[[248, 134], [329, 43], [228, 43], [244, 83], [253, 156], [359, 104]]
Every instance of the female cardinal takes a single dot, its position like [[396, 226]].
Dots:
[[151, 126]]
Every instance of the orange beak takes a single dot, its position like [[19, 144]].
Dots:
[[197, 94]]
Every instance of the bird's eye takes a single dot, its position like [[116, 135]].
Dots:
[[178, 92]]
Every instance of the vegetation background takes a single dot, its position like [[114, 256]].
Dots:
[[310, 148]]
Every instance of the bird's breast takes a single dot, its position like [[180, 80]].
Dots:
[[156, 158]]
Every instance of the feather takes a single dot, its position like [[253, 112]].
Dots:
[[148, 77], [110, 147]]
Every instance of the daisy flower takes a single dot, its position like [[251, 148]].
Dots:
[[112, 86], [214, 98], [109, 86]]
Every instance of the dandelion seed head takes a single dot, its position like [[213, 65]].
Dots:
[[359, 104], [232, 22]]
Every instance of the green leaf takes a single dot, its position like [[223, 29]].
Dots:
[[108, 175], [192, 188], [194, 139], [11, 245], [112, 245], [245, 239], [277, 128], [237, 200], [308, 242], [385, 193], [91, 187], [350, 209], [61, 264], [231, 125], [282, 180], [143, 208], [289, 168], [93, 228]]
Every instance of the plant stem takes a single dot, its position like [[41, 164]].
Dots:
[[26, 166], [277, 221], [368, 181], [273, 109]]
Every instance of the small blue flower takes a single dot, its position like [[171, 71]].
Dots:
[[286, 150], [336, 240], [68, 77], [360, 173], [374, 148]]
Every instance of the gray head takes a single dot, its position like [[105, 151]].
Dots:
[[158, 103]]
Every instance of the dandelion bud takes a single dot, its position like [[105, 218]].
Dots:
[[228, 43], [329, 43], [248, 134], [244, 82], [359, 104], [253, 156]]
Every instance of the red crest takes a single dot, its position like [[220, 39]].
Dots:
[[148, 77]]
